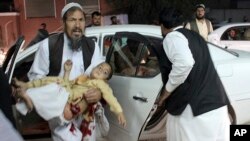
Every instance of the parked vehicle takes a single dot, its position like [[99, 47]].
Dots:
[[138, 87], [239, 40]]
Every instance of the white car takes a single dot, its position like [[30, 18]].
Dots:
[[220, 36], [137, 91]]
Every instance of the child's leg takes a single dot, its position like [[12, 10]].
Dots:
[[73, 110], [67, 113], [22, 94]]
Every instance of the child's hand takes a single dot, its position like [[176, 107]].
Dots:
[[121, 119], [68, 65]]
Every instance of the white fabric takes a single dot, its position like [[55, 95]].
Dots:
[[92, 128], [49, 101], [63, 133], [177, 50], [102, 126], [68, 6], [22, 108], [210, 126], [202, 27], [40, 66], [7, 131]]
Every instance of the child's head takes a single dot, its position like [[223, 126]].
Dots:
[[102, 71]]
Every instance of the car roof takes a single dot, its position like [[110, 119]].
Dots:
[[150, 29], [229, 25]]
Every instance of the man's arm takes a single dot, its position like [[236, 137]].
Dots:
[[40, 66], [211, 27], [187, 26], [179, 54]]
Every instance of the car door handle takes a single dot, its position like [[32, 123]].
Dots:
[[143, 99]]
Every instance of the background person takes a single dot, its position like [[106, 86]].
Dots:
[[232, 35], [200, 24], [193, 93], [95, 19], [42, 33], [114, 20]]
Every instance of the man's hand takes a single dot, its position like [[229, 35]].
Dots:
[[93, 95], [164, 95]]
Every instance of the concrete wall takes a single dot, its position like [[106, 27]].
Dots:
[[29, 26], [224, 14], [9, 30]]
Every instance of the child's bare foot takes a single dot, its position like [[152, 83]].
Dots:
[[22, 94]]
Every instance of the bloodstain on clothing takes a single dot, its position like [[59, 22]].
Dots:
[[85, 125]]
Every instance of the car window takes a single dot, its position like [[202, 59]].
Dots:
[[241, 33], [133, 58], [107, 40]]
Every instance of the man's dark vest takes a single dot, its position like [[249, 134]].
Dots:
[[56, 50], [202, 89], [194, 27]]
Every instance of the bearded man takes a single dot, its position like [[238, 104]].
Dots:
[[52, 53], [200, 24]]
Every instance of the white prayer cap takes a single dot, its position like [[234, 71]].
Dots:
[[200, 6], [68, 6]]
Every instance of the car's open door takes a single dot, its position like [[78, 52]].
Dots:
[[31, 125], [10, 61], [136, 83]]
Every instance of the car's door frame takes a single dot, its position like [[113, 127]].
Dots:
[[129, 98]]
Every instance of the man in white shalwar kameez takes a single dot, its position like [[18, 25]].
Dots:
[[193, 93], [83, 61]]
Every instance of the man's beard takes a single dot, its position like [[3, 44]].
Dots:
[[75, 41], [97, 24], [200, 18]]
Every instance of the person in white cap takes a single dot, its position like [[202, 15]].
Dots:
[[49, 59], [200, 24]]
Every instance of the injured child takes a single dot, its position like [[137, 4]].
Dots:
[[76, 104]]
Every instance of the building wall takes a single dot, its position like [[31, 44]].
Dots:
[[222, 15], [9, 30], [29, 26]]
